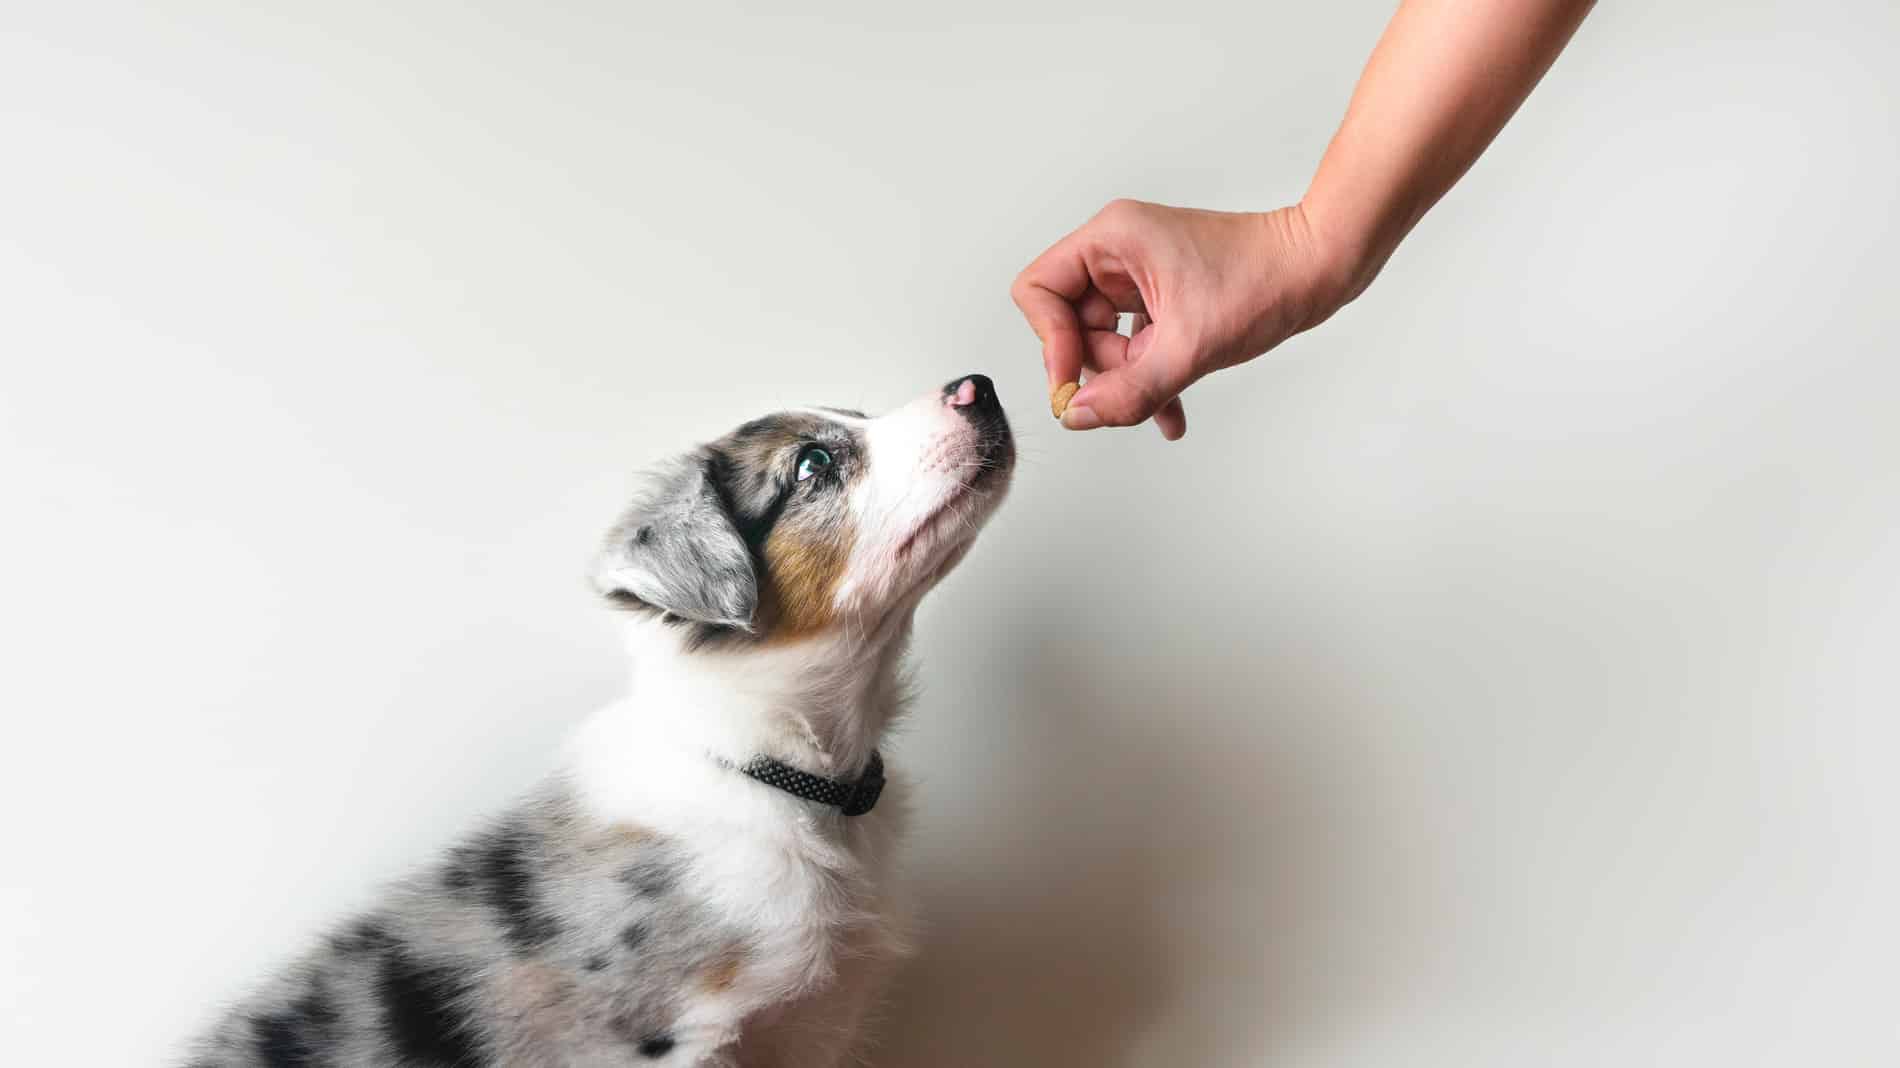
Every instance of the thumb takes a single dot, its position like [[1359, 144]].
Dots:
[[1133, 392]]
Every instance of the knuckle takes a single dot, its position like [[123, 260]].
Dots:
[[1024, 291], [1120, 211]]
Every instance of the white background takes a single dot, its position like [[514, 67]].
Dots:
[[1504, 674]]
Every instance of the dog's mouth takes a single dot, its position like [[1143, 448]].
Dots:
[[938, 515], [956, 507]]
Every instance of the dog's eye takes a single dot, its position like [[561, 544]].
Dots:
[[813, 460]]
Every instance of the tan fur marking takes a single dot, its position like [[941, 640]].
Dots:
[[723, 973], [803, 575], [619, 836], [539, 999]]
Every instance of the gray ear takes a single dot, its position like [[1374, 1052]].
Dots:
[[677, 551]]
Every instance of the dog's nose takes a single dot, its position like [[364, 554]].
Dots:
[[973, 393]]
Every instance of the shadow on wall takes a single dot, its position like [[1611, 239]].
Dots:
[[1163, 875]]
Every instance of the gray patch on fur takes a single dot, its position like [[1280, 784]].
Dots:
[[440, 972], [677, 550], [689, 545]]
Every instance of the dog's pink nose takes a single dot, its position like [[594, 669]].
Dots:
[[973, 395]]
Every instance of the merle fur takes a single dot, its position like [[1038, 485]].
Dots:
[[433, 976], [691, 548]]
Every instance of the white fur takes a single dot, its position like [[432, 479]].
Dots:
[[918, 510]]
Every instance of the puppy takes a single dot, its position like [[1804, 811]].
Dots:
[[707, 878]]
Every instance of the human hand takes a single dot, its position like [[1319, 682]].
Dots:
[[1208, 290]]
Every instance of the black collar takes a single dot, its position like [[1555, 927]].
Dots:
[[853, 798]]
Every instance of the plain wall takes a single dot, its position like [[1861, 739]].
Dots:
[[1505, 673]]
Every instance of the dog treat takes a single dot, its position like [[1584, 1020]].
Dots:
[[1059, 400]]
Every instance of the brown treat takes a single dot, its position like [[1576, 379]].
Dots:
[[1059, 400]]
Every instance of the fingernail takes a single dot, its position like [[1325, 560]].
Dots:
[[1079, 418]]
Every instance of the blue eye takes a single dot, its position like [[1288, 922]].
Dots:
[[813, 460]]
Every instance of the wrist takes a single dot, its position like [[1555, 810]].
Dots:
[[1350, 248], [1305, 274]]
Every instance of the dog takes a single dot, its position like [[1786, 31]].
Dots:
[[708, 878]]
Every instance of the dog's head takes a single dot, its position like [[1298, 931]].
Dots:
[[813, 520]]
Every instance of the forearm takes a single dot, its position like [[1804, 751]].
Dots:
[[1444, 79]]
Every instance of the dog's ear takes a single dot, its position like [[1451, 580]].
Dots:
[[678, 551]]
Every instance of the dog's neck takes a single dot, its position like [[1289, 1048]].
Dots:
[[820, 704], [667, 755]]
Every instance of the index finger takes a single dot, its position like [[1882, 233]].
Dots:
[[1047, 293]]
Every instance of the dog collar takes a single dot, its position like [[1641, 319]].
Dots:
[[853, 798]]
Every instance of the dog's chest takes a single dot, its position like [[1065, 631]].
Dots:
[[827, 948], [783, 925], [768, 937], [809, 903]]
